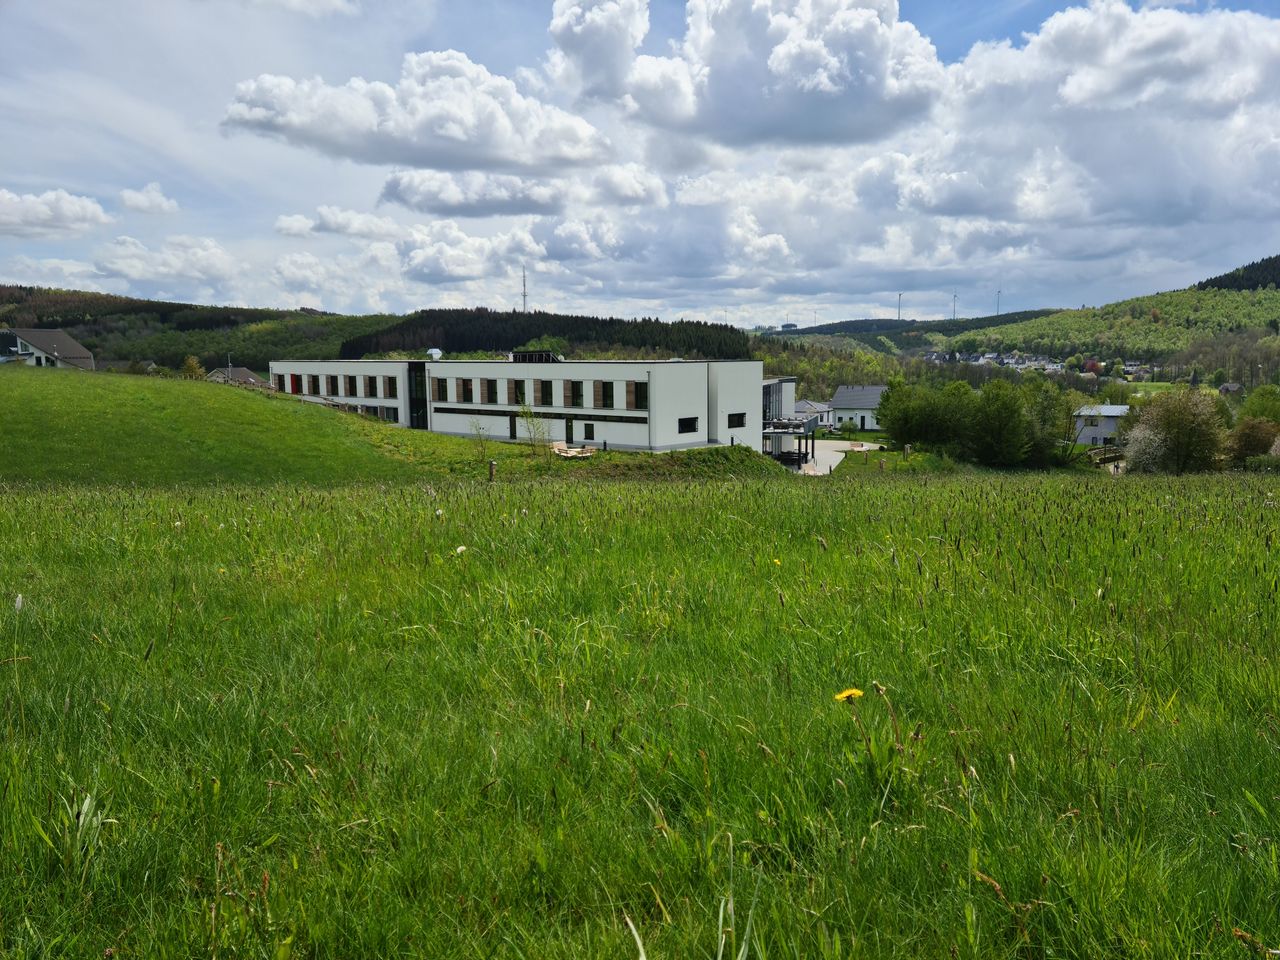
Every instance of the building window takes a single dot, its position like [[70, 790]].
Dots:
[[642, 395], [370, 386], [1091, 421], [465, 392], [490, 391], [441, 389], [390, 388], [515, 392], [279, 378], [604, 394], [313, 385], [331, 386], [687, 425], [544, 394], [588, 431], [737, 420], [351, 390], [575, 393], [295, 383], [393, 414]]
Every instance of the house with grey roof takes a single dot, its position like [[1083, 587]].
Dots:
[[241, 376], [1099, 424], [812, 408], [47, 348], [857, 406]]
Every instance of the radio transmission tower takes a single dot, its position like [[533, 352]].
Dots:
[[524, 289]]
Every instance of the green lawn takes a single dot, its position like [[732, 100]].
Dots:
[[386, 709], [68, 426], [266, 721]]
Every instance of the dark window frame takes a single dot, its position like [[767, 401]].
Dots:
[[687, 425]]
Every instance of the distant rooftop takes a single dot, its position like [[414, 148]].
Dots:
[[858, 398], [1104, 410]]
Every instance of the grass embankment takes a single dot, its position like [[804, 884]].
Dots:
[[255, 721], [70, 427]]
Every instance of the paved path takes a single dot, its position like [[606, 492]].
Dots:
[[826, 455]]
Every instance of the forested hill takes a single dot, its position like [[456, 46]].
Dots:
[[1261, 274], [126, 328], [463, 331], [894, 335], [1145, 328]]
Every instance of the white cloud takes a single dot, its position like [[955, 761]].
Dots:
[[802, 71], [294, 225], [150, 199], [441, 252], [446, 113], [596, 43], [48, 214], [199, 260], [473, 194]]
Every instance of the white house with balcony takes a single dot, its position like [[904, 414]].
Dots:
[[634, 405]]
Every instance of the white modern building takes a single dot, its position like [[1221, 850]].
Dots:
[[1099, 424], [635, 405]]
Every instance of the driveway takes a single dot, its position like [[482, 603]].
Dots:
[[826, 455]]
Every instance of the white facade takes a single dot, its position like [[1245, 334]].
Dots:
[[665, 405], [857, 406], [1099, 425]]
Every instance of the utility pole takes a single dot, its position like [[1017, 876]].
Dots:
[[997, 303], [524, 289]]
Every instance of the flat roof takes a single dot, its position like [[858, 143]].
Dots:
[[519, 363]]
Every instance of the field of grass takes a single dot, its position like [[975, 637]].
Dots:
[[504, 720], [67, 426]]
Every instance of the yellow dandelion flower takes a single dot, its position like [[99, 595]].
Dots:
[[853, 693], [777, 561]]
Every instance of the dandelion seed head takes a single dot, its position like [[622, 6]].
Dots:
[[17, 604], [460, 550]]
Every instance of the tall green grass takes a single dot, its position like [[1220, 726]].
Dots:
[[273, 722]]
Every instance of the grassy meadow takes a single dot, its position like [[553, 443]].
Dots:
[[417, 715]]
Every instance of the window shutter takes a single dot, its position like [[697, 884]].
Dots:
[[631, 394], [457, 386], [597, 394], [484, 390], [511, 393]]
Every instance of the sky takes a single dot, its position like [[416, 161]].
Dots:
[[749, 161]]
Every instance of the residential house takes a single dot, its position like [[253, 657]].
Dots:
[[857, 405], [1099, 424], [47, 348], [241, 376], [811, 408], [643, 405], [1235, 390]]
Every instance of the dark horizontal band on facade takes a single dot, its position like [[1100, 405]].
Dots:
[[587, 414]]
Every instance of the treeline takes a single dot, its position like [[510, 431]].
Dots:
[[1258, 275], [895, 335], [128, 328], [1002, 425], [820, 370], [462, 331], [1151, 328]]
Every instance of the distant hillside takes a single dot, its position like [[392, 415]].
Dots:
[[126, 328], [892, 335], [106, 429], [462, 331], [1261, 274], [1144, 328]]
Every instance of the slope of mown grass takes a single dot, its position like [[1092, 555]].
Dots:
[[70, 427], [270, 722]]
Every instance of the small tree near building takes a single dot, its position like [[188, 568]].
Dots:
[[1190, 429], [191, 369]]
